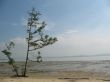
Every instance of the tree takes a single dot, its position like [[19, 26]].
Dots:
[[39, 57], [36, 38], [7, 52]]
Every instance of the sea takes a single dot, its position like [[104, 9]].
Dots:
[[100, 66], [94, 64]]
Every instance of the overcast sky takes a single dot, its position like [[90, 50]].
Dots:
[[81, 26]]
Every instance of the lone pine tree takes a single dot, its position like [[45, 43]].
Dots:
[[36, 37]]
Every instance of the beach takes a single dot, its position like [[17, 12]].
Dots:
[[59, 71], [47, 80], [59, 77]]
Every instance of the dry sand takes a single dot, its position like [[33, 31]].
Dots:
[[58, 77], [30, 80], [92, 80], [48, 80]]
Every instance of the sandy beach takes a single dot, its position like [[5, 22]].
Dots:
[[30, 80], [51, 79], [47, 80], [76, 76]]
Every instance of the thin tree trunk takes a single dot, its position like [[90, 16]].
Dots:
[[13, 67], [15, 70], [25, 68]]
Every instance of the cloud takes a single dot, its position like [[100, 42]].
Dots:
[[19, 51], [50, 26], [2, 46], [70, 31], [73, 42], [70, 43], [19, 40], [23, 22]]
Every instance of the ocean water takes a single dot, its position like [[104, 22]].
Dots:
[[94, 64], [79, 58], [98, 57], [87, 66], [56, 66]]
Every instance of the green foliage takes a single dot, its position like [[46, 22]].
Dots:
[[39, 52], [36, 38], [39, 57], [7, 53], [10, 45], [37, 28], [11, 61]]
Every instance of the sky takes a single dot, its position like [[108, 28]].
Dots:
[[81, 26]]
